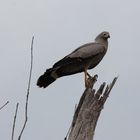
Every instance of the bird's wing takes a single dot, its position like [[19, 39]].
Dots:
[[87, 50], [80, 53], [67, 60]]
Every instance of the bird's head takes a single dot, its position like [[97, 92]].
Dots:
[[103, 36]]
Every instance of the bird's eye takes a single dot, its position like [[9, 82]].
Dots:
[[104, 34]]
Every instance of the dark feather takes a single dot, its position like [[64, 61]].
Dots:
[[46, 79], [66, 61]]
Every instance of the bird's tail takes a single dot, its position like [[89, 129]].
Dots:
[[46, 79]]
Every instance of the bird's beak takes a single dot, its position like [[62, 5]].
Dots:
[[108, 36]]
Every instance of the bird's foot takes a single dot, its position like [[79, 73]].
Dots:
[[88, 81]]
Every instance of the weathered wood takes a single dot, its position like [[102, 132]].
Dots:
[[88, 111]]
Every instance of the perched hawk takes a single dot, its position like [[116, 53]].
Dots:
[[80, 60]]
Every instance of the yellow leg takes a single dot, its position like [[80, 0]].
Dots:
[[87, 78]]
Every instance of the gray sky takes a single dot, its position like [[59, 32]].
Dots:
[[59, 26]]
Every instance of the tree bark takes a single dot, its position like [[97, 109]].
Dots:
[[88, 110]]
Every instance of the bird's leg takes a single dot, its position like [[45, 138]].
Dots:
[[88, 79], [89, 76], [85, 72]]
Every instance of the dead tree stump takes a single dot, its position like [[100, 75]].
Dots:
[[88, 111]]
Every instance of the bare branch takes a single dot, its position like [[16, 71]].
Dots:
[[4, 105], [28, 91], [14, 123]]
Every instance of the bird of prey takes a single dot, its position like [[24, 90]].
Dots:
[[81, 59]]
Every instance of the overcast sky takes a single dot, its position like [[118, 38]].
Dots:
[[60, 26]]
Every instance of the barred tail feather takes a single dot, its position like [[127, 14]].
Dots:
[[46, 79]]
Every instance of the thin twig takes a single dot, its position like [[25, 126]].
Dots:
[[28, 91], [4, 105], [14, 123]]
